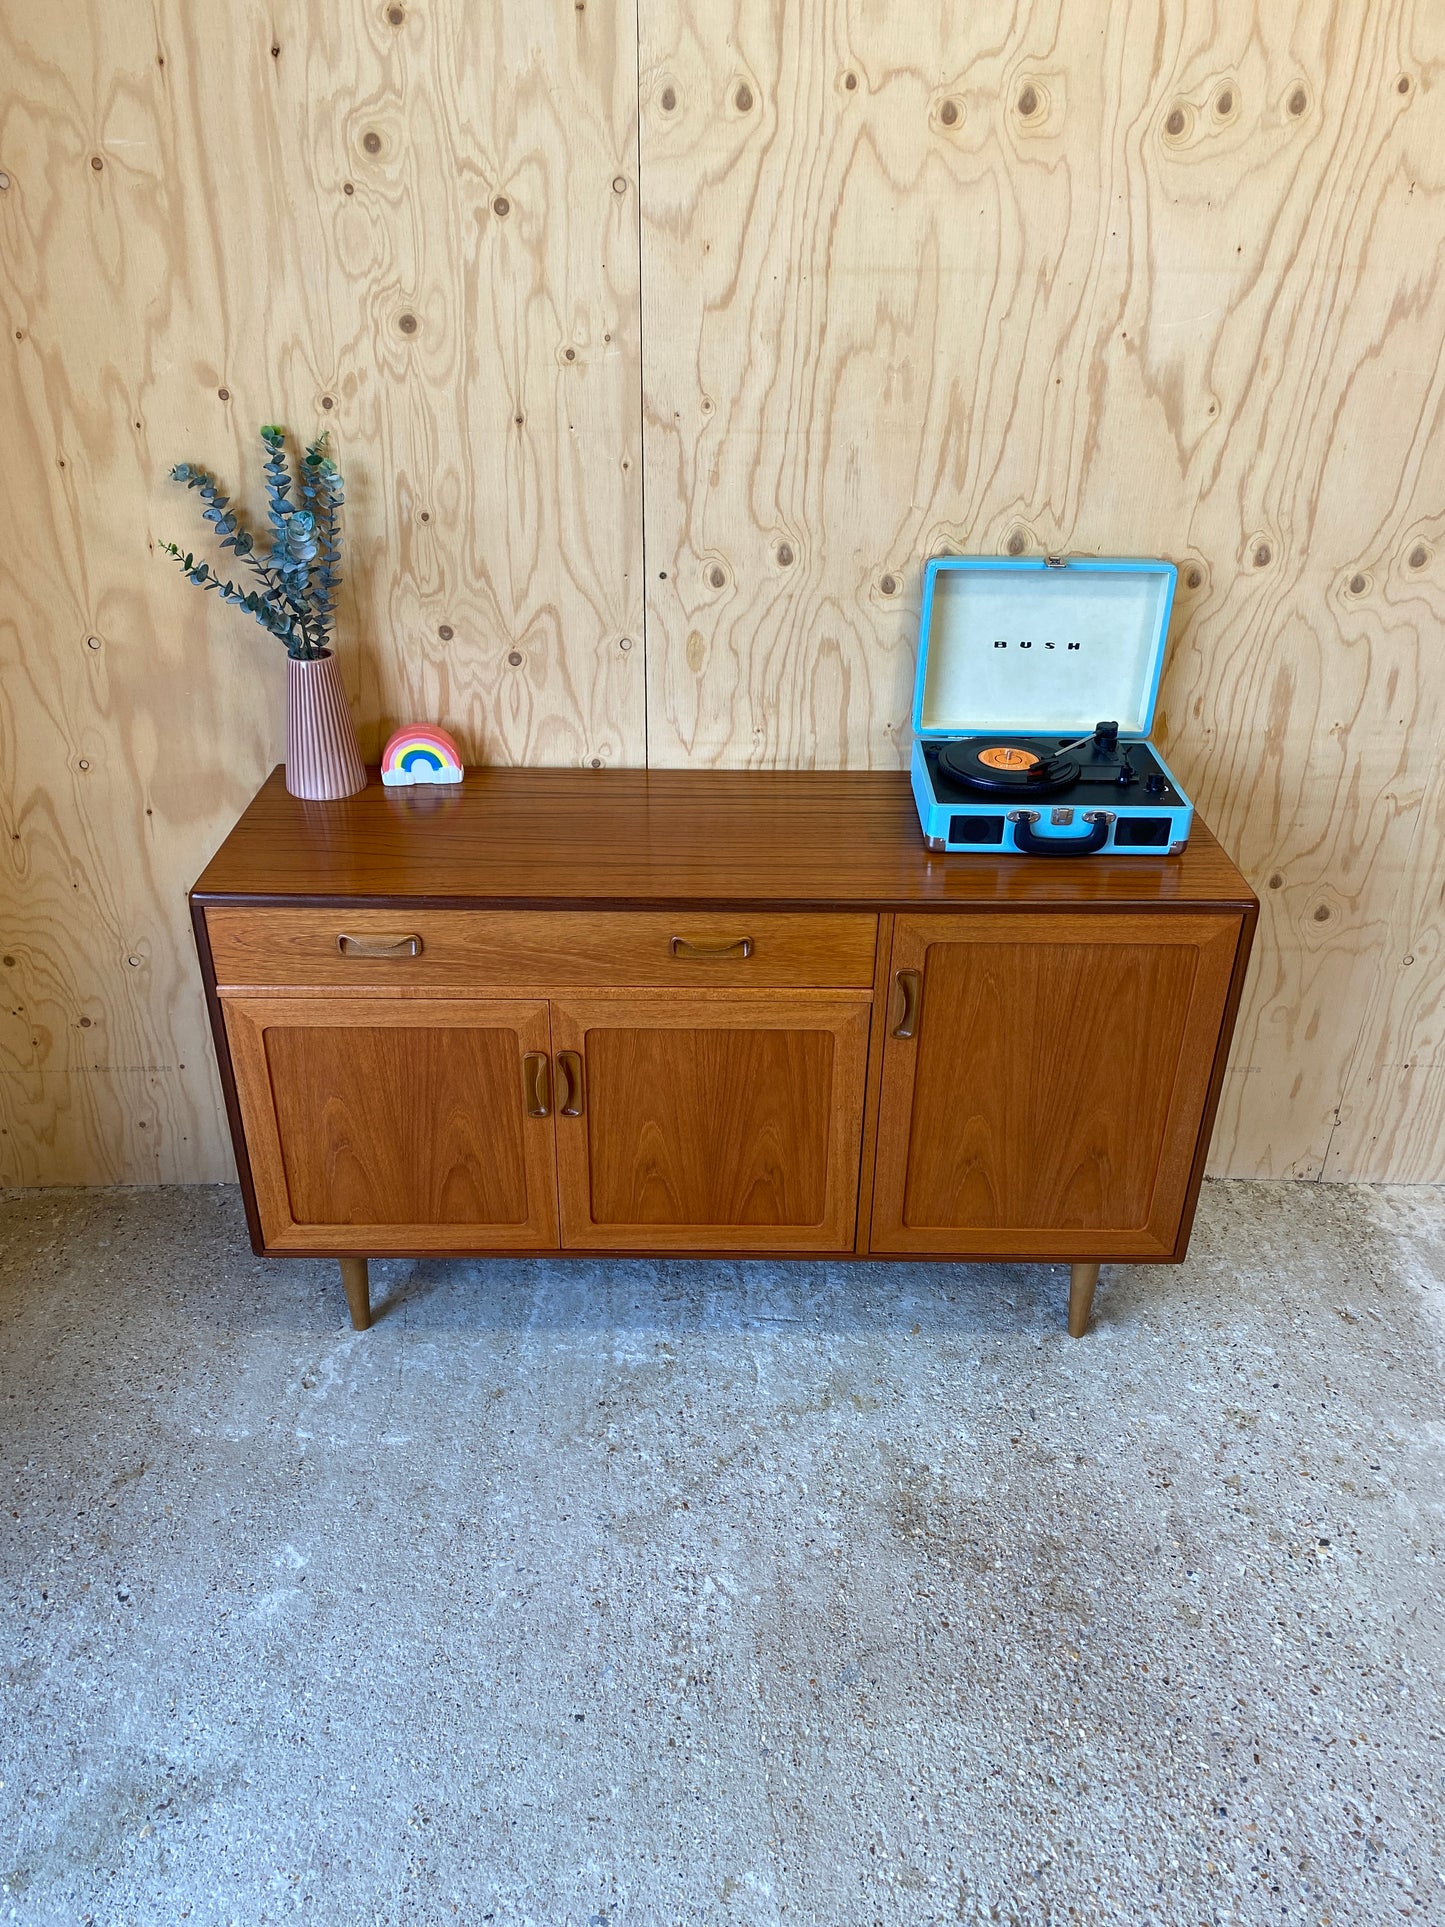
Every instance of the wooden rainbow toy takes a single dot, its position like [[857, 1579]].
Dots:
[[418, 753]]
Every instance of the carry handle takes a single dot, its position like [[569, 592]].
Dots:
[[910, 983], [1030, 843], [403, 946], [569, 1083]]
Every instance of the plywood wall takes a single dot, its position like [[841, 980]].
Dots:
[[828, 287], [415, 225], [1152, 277]]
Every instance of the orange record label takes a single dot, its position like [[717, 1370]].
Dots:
[[1007, 756]]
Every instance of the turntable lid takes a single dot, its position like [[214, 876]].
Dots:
[[1021, 645]]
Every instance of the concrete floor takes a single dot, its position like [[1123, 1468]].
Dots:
[[583, 1593]]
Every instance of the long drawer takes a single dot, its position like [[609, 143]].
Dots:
[[482, 948]]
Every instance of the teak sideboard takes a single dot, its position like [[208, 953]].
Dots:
[[709, 1013]]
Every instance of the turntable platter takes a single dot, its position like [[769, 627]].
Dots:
[[1013, 768]]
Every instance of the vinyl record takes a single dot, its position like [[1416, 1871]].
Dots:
[[1017, 766]]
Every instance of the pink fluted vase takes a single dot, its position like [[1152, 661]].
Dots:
[[322, 758]]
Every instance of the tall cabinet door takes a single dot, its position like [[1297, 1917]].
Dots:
[[382, 1124], [1045, 1080], [722, 1123]]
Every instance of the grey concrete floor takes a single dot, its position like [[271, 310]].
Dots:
[[632, 1593]]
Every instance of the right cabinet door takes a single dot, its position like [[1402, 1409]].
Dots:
[[1045, 1080], [723, 1123]]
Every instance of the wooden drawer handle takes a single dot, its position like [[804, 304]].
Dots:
[[408, 946], [569, 1084], [537, 1084], [909, 983], [690, 947]]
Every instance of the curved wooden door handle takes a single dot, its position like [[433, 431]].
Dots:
[[537, 1084], [910, 983], [569, 1083]]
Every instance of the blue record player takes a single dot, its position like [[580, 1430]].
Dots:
[[1037, 680]]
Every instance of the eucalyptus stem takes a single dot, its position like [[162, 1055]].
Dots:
[[300, 569]]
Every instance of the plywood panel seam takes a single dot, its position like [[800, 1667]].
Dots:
[[644, 615]]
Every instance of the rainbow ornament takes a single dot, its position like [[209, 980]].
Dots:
[[417, 753]]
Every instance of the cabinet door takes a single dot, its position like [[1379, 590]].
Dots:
[[378, 1124], [723, 1123], [1051, 1097]]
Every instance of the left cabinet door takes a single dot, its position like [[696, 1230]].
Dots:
[[380, 1124]]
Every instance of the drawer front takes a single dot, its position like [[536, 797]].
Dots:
[[370, 949]]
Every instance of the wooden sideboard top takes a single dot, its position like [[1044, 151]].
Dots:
[[626, 838]]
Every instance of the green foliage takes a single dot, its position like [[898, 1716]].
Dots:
[[300, 568]]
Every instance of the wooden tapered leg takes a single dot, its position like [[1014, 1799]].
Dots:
[[358, 1291], [1082, 1281]]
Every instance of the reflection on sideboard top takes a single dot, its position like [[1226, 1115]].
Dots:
[[626, 838]]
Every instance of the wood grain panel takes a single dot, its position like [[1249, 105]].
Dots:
[[1392, 1118], [708, 1126], [1166, 276], [1070, 1051], [1163, 277], [483, 948], [381, 1127], [415, 226], [814, 839], [391, 1125], [733, 1123], [1049, 1098]]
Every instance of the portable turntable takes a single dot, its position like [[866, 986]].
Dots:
[[1036, 686]]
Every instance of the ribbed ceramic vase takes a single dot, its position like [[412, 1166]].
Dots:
[[322, 758]]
